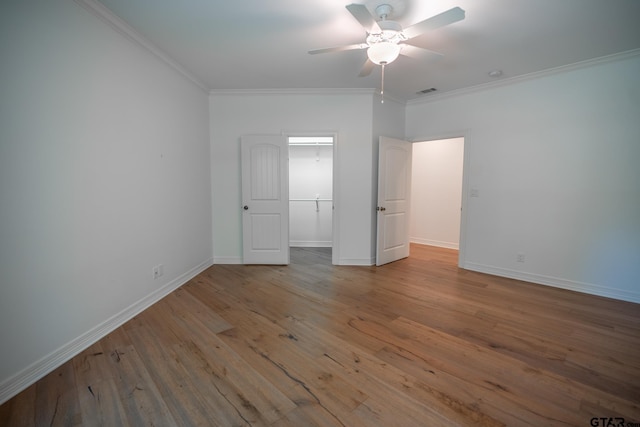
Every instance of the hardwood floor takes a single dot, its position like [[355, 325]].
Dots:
[[417, 342]]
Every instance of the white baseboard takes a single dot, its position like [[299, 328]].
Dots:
[[341, 261], [227, 260], [448, 245], [357, 261], [55, 359], [310, 244], [585, 288]]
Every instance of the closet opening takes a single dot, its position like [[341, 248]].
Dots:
[[311, 207]]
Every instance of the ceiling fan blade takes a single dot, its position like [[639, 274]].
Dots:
[[367, 68], [419, 52], [445, 18], [339, 48], [366, 19]]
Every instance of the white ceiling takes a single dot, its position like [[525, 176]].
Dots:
[[259, 44]]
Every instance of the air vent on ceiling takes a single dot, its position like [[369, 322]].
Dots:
[[425, 91]]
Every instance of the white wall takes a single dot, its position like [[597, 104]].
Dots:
[[349, 114], [436, 192], [310, 176], [104, 173], [554, 161]]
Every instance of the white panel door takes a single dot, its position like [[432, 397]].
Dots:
[[394, 193], [265, 199]]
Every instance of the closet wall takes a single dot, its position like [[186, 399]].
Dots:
[[310, 194]]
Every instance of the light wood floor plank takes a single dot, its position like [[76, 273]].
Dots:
[[418, 342], [99, 398]]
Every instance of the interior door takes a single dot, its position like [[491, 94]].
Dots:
[[265, 200], [394, 194]]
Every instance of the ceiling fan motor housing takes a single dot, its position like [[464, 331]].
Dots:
[[391, 32]]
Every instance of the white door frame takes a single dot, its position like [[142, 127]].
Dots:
[[466, 135], [335, 222]]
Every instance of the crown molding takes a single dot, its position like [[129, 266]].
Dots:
[[388, 98], [526, 77], [99, 10], [307, 91], [293, 91]]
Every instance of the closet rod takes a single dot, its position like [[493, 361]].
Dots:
[[310, 200], [311, 144]]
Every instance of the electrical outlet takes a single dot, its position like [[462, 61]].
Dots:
[[158, 271], [520, 257]]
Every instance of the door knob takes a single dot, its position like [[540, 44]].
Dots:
[[246, 208]]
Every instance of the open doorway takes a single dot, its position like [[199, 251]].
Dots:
[[436, 192], [311, 213]]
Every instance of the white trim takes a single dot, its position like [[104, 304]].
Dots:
[[335, 190], [585, 288], [357, 261], [55, 359], [309, 91], [525, 77], [387, 97], [464, 213], [107, 16], [429, 242], [294, 91], [227, 260], [310, 244]]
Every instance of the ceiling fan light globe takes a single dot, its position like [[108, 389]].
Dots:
[[383, 52]]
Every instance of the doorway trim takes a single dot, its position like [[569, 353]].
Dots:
[[466, 135], [335, 222]]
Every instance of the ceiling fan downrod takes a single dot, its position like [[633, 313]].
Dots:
[[383, 11]]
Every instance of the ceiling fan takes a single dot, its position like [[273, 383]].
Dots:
[[386, 39]]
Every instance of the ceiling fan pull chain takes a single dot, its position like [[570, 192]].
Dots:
[[382, 84]]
